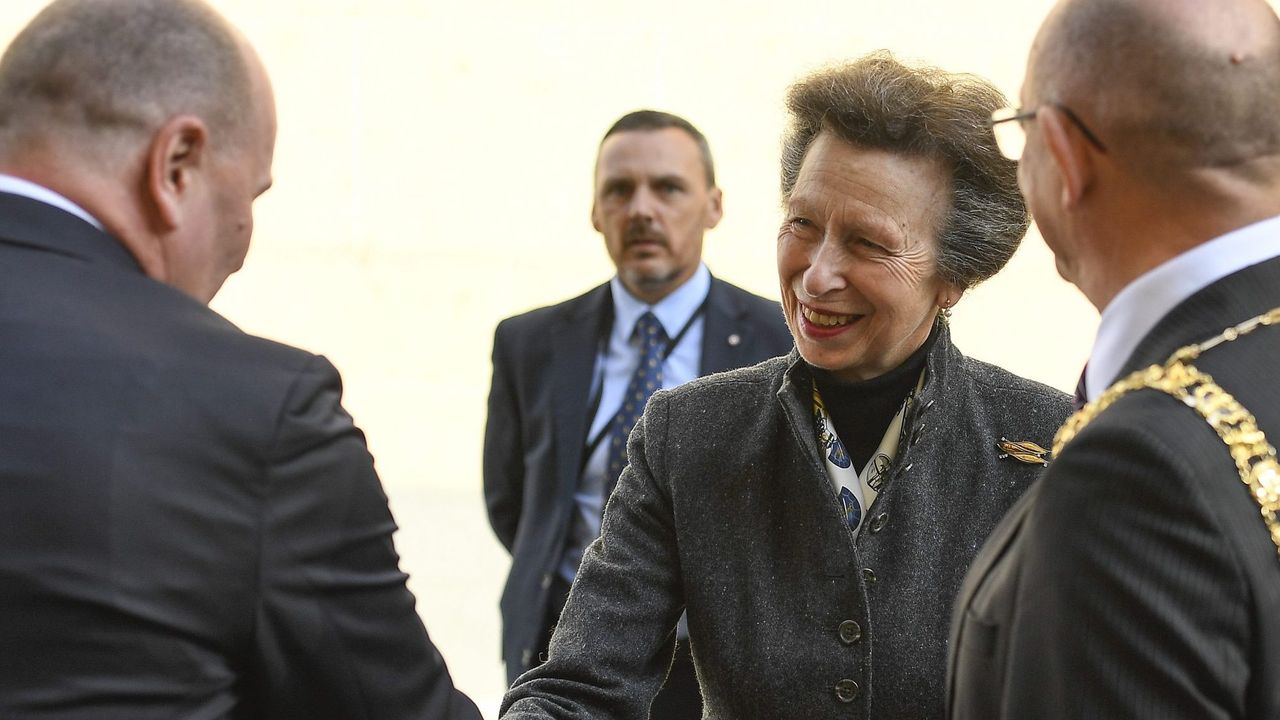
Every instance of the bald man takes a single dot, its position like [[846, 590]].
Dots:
[[190, 524], [1139, 578]]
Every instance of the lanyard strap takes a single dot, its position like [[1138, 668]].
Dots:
[[598, 383]]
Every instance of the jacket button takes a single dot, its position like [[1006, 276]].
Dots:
[[877, 522], [526, 657], [850, 632], [546, 581], [735, 340], [869, 575], [847, 691]]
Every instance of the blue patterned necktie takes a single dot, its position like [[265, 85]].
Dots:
[[647, 378]]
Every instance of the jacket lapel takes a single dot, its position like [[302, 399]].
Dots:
[[724, 342], [576, 346]]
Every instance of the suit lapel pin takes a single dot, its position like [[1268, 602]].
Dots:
[[1023, 451], [735, 340]]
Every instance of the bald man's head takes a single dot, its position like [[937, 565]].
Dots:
[[1172, 84], [154, 116], [102, 74]]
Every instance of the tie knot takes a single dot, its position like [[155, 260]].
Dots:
[[649, 329]]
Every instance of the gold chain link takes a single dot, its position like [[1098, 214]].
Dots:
[[1254, 456]]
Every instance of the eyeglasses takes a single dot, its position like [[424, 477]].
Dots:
[[1011, 137]]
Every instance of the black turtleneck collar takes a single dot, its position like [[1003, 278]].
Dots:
[[861, 410]]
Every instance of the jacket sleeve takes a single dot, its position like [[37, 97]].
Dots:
[[336, 631], [1131, 604], [613, 646], [503, 464]]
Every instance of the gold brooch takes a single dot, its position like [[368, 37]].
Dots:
[[1023, 451]]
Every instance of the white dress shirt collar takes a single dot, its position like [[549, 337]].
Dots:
[[673, 311], [40, 193], [1137, 308]]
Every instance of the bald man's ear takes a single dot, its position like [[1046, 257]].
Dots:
[[1071, 154], [177, 155]]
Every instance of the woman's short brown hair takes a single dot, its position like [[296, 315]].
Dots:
[[879, 103]]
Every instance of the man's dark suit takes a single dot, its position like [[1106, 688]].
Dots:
[[1137, 578], [537, 428], [190, 524]]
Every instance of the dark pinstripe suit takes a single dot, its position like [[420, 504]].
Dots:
[[1136, 579]]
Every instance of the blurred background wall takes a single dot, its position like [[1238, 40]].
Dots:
[[433, 175]]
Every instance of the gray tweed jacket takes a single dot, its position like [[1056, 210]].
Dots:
[[726, 510]]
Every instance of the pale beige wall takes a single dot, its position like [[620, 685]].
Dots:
[[433, 175]]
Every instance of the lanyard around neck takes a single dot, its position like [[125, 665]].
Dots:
[[597, 385]]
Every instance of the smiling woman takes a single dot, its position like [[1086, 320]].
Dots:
[[809, 508], [857, 257]]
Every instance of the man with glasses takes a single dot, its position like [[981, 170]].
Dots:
[[1140, 578]]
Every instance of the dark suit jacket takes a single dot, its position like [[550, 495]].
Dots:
[[1137, 579], [726, 510], [537, 429], [190, 524]]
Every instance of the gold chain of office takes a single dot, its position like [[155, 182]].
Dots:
[[1254, 456]]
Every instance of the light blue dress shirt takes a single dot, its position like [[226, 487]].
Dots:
[[615, 365]]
